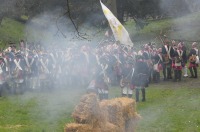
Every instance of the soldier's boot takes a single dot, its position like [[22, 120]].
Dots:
[[191, 72], [195, 72], [124, 95], [154, 76], [179, 75], [101, 97], [169, 73], [158, 76], [175, 75], [164, 74], [143, 95], [105, 96], [137, 94], [130, 95]]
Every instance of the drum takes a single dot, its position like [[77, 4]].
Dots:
[[192, 58]]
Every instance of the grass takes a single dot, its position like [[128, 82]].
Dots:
[[169, 107], [11, 31], [173, 110], [34, 111]]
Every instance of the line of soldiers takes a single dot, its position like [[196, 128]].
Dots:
[[109, 64], [171, 58], [25, 67]]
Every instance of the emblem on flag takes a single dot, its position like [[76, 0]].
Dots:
[[119, 32]]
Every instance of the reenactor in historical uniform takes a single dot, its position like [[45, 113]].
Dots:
[[117, 66], [18, 73], [125, 82], [194, 60], [174, 46], [10, 56], [32, 70], [140, 77], [185, 69], [99, 84], [44, 66], [2, 74], [147, 58], [157, 64], [167, 53], [179, 56]]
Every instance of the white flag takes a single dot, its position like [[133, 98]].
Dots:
[[118, 29]]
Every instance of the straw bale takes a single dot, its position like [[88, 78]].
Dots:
[[120, 112], [88, 110], [131, 125], [74, 127], [109, 127], [113, 112], [129, 108], [116, 115]]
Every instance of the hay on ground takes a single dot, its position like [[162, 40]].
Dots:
[[116, 115], [109, 127], [120, 112], [112, 110], [129, 108], [88, 110], [74, 127]]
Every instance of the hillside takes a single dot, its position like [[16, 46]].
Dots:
[[184, 28], [11, 31]]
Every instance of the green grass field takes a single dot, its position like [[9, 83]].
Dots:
[[170, 107], [11, 31], [37, 111]]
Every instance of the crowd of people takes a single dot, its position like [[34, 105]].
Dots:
[[137, 69], [28, 67]]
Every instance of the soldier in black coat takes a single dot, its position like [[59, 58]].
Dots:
[[2, 74], [157, 64], [167, 53], [185, 74], [140, 77], [179, 57]]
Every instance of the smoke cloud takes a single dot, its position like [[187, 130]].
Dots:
[[50, 29], [185, 22]]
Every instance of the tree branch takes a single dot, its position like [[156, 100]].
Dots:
[[76, 28]]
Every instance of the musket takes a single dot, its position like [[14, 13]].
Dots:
[[161, 40]]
